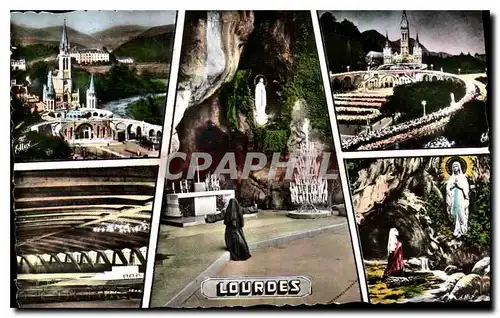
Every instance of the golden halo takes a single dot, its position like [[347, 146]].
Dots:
[[465, 161]]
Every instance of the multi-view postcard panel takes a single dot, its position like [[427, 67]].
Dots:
[[252, 205], [89, 84], [408, 80], [253, 212], [82, 236], [425, 227]]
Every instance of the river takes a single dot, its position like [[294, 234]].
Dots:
[[119, 106]]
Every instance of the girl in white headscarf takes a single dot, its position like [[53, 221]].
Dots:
[[395, 262]]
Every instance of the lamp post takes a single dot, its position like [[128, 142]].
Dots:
[[348, 67], [423, 104], [458, 71], [432, 67]]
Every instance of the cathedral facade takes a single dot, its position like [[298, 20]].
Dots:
[[59, 91], [405, 55]]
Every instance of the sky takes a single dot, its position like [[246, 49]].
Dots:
[[439, 31], [93, 21]]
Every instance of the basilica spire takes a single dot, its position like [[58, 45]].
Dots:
[[91, 97], [405, 35], [91, 85], [404, 20], [50, 86], [64, 44]]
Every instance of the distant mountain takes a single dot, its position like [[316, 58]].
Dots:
[[114, 36], [440, 54], [152, 45], [346, 48], [158, 30], [374, 41], [51, 35], [110, 38]]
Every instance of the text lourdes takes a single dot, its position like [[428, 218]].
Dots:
[[258, 288]]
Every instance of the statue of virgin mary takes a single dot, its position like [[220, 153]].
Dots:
[[260, 102], [457, 199]]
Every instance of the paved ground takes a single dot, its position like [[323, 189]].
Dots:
[[183, 253], [472, 77], [326, 259], [130, 149]]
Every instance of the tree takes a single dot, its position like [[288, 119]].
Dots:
[[407, 99], [467, 126], [37, 146]]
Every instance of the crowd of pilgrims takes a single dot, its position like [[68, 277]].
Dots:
[[439, 142], [373, 139]]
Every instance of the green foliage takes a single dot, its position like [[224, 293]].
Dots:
[[35, 51], [239, 98], [148, 75], [146, 143], [436, 209], [407, 99], [271, 140], [156, 48], [41, 147], [21, 116], [308, 85], [38, 76], [344, 44], [121, 81], [306, 80], [353, 166], [467, 126], [148, 109], [480, 216], [466, 63]]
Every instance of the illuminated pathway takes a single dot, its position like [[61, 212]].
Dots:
[[381, 138]]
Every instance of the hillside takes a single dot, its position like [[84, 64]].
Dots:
[[152, 45], [374, 41], [117, 35], [25, 35], [346, 46]]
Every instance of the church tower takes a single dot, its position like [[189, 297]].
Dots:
[[387, 50], [417, 52], [405, 36], [64, 73], [91, 97], [49, 94]]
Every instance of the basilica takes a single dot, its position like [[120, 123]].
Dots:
[[405, 55], [59, 92]]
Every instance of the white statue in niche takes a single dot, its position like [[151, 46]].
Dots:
[[457, 199], [260, 102]]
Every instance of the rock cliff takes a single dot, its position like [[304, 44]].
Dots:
[[394, 193]]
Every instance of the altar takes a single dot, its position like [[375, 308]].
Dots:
[[203, 202], [191, 201]]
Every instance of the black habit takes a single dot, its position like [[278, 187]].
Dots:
[[235, 239]]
